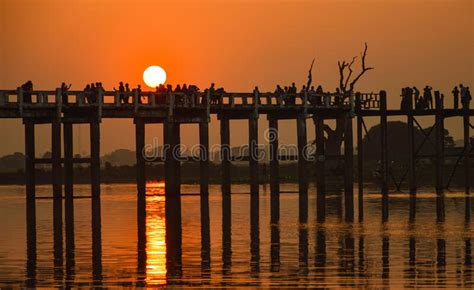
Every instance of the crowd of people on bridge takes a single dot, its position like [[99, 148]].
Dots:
[[190, 94], [425, 101]]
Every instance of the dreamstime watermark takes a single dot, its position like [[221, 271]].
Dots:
[[219, 152]]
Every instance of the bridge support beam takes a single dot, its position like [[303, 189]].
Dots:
[[96, 203], [254, 189], [411, 160], [172, 194], [30, 189], [302, 170], [204, 190], [69, 193], [226, 197], [57, 193], [320, 176], [439, 138], [348, 172], [360, 161], [274, 171], [253, 155], [467, 150], [95, 158], [141, 192], [384, 154]]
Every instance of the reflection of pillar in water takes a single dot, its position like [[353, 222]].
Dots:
[[385, 258], [320, 255], [303, 249], [275, 248], [441, 261]]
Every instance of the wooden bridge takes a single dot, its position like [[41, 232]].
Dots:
[[173, 109]]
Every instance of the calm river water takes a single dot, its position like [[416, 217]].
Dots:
[[395, 254]]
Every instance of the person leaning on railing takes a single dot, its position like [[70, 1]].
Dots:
[[64, 89], [27, 91]]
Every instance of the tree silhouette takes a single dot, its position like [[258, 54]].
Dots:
[[346, 85]]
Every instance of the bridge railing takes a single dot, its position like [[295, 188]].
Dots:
[[136, 99], [368, 100]]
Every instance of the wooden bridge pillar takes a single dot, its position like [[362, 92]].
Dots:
[[172, 193], [225, 154], [254, 190], [348, 171], [68, 192], [96, 203], [204, 190], [226, 195], [384, 154], [439, 137], [141, 192], [204, 158], [467, 151], [30, 189], [140, 159], [57, 193], [302, 170], [411, 159], [320, 178], [95, 158], [360, 158], [253, 154], [274, 171]]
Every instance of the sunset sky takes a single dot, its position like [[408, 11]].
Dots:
[[236, 44]]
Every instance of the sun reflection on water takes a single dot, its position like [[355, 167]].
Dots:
[[156, 236]]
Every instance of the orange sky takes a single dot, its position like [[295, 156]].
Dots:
[[235, 44]]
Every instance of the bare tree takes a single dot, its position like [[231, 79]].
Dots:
[[346, 85]]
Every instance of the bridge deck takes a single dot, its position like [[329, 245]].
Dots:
[[197, 107]]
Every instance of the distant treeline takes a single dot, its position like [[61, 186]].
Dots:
[[240, 174]]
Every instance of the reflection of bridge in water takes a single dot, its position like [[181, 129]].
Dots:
[[47, 108]]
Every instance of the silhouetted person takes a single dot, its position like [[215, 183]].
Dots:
[[416, 94], [465, 94], [256, 92], [212, 92], [338, 98], [126, 96], [407, 94], [419, 105], [27, 91], [279, 94], [159, 96], [178, 98], [138, 90], [312, 98], [428, 97], [319, 95], [94, 92], [468, 95], [292, 94], [456, 97], [120, 92], [64, 90], [87, 94], [302, 92]]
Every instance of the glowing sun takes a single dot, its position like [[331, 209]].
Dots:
[[154, 76]]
